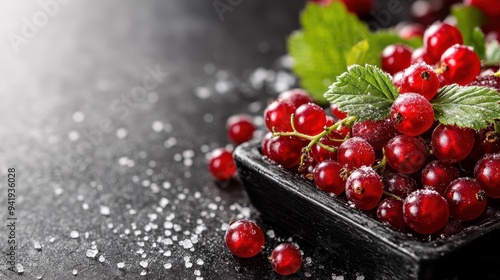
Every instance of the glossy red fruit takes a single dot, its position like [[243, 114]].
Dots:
[[437, 175], [337, 113], [355, 152], [330, 176], [364, 188], [487, 81], [405, 154], [244, 238], [390, 211], [286, 259], [420, 55], [422, 79], [412, 114], [490, 8], [451, 143], [439, 37], [309, 119], [376, 133], [399, 184], [425, 211], [395, 58], [486, 141], [295, 97], [487, 174], [466, 199], [331, 140], [240, 128], [460, 64], [221, 164], [286, 150], [397, 79], [264, 145], [278, 116]]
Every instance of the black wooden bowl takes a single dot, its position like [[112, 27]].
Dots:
[[361, 242]]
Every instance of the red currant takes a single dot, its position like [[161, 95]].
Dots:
[[466, 199], [331, 140], [487, 174], [337, 113], [490, 8], [390, 211], [395, 58], [420, 78], [412, 114], [486, 141], [286, 259], [399, 184], [286, 150], [460, 64], [364, 188], [355, 152], [420, 55], [451, 143], [330, 176], [437, 175], [376, 133], [425, 211], [265, 144], [295, 97], [221, 164], [244, 238], [309, 119], [405, 154], [240, 128], [278, 115], [439, 37]]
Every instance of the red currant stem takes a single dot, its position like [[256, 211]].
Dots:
[[497, 74], [393, 196], [381, 164]]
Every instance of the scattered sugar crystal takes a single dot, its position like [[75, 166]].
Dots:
[[170, 142], [271, 233], [19, 268], [144, 264], [74, 234], [102, 258], [52, 239], [104, 210], [85, 206], [167, 253], [91, 253], [73, 135], [199, 262], [188, 264], [307, 274], [203, 92], [167, 265], [37, 246], [157, 126], [78, 117], [58, 191], [197, 272], [177, 157], [144, 272], [163, 202], [75, 272], [120, 265]]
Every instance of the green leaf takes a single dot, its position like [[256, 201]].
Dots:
[[492, 53], [469, 18], [330, 40], [363, 91], [469, 106]]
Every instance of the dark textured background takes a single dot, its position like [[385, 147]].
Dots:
[[88, 58]]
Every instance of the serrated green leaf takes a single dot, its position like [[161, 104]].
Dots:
[[324, 48], [492, 53], [469, 18], [469, 106], [363, 91]]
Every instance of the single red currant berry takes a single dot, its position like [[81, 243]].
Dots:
[[309, 119], [221, 164], [278, 116], [486, 141], [466, 199], [364, 188], [395, 58], [286, 150], [451, 143], [405, 154], [399, 184], [420, 56], [439, 37], [337, 113], [390, 211], [437, 175], [487, 80], [244, 238], [265, 144], [355, 152], [286, 259], [460, 64], [425, 211], [411, 30], [330, 176], [420, 78], [397, 79], [376, 133], [412, 114], [295, 97], [488, 7], [240, 128], [487, 174], [332, 140]]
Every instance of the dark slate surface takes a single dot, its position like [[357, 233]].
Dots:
[[85, 136]]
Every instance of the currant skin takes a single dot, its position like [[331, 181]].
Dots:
[[460, 64], [285, 150], [487, 174], [286, 259], [355, 152], [438, 175], [221, 164], [405, 154], [422, 79], [333, 140], [330, 176], [399, 184], [376, 133], [277, 116], [412, 114], [438, 38], [244, 238], [295, 97], [309, 119], [390, 211], [395, 58], [364, 188], [240, 128], [451, 143], [425, 211], [486, 141], [466, 199]]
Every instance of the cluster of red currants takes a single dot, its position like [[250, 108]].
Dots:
[[420, 167], [245, 239]]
